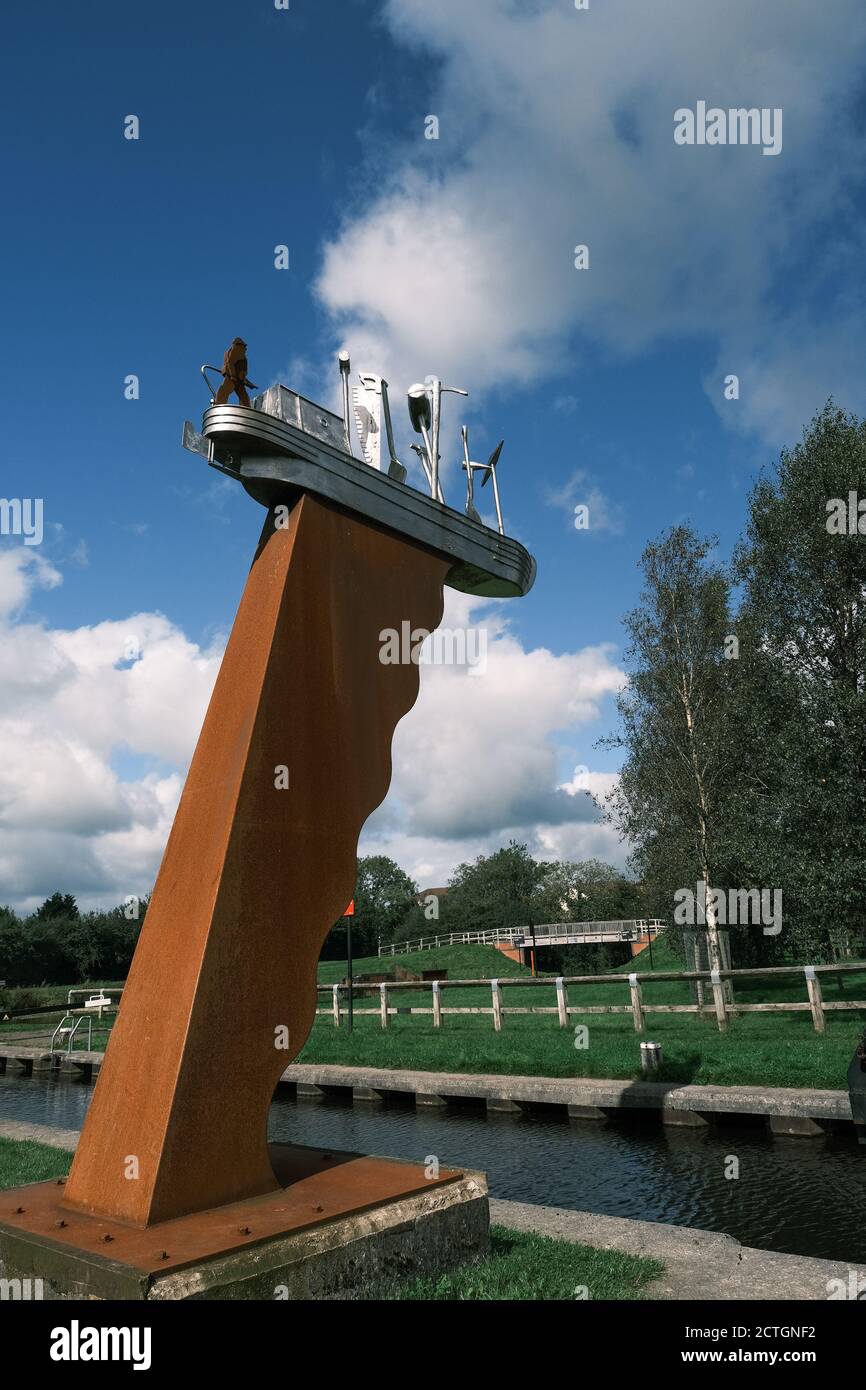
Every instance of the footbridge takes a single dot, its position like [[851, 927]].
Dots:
[[639, 931]]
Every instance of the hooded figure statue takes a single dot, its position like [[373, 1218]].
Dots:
[[234, 371]]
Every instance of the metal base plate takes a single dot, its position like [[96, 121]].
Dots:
[[317, 1186]]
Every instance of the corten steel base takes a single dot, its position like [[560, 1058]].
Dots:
[[255, 874], [338, 1223]]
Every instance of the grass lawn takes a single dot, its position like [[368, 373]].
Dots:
[[519, 1266], [758, 1049], [22, 1162], [529, 1267]]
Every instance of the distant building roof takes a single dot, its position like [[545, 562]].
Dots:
[[430, 893]]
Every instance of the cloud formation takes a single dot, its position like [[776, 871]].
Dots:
[[557, 129], [98, 723]]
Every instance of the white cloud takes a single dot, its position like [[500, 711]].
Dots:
[[93, 746], [557, 129], [476, 760], [73, 708], [604, 514]]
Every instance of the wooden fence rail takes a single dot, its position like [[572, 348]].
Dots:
[[722, 1007]]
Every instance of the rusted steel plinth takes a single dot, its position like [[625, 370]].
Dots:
[[80, 1255], [294, 755]]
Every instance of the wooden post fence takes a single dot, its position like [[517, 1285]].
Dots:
[[719, 1000], [722, 1007], [816, 999]]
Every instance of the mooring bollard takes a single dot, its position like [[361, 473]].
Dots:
[[650, 1057]]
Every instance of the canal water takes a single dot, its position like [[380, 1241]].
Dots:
[[804, 1197]]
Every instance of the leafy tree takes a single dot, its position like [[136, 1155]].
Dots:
[[384, 898], [48, 948], [674, 715], [505, 889], [800, 732], [589, 891], [58, 905], [15, 949]]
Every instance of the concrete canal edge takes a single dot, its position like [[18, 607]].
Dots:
[[698, 1264], [806, 1112]]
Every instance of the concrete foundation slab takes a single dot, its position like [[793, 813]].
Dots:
[[340, 1224]]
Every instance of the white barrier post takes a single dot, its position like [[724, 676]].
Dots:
[[636, 1003], [562, 1002], [496, 989], [437, 1005]]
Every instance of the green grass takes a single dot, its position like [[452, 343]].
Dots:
[[22, 1162], [758, 1049], [461, 962], [528, 1267]]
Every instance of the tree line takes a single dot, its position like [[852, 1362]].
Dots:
[[743, 724], [58, 945]]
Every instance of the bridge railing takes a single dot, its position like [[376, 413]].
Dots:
[[720, 982], [629, 929]]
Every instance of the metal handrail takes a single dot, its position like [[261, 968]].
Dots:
[[204, 371], [629, 927]]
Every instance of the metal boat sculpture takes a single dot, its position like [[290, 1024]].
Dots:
[[284, 445]]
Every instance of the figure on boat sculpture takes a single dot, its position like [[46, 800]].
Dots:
[[234, 370]]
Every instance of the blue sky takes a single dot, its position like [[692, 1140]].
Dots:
[[306, 127]]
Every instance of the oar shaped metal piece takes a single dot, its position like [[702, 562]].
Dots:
[[490, 472], [471, 509]]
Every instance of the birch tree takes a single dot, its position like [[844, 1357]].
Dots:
[[674, 716]]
